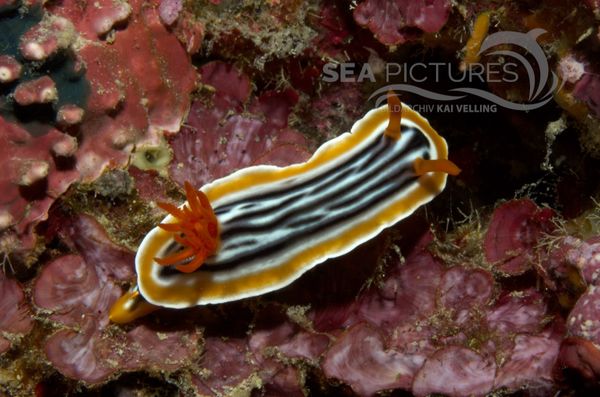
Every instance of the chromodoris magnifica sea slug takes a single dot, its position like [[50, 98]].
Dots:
[[262, 227]]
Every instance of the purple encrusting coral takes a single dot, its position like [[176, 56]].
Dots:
[[108, 106]]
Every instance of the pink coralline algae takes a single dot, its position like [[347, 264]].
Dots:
[[15, 320], [42, 90], [188, 30], [427, 328], [219, 138], [48, 37], [587, 90], [96, 19], [582, 80], [169, 10], [414, 336], [38, 69], [107, 94], [336, 109], [107, 106], [339, 38], [511, 239], [581, 355], [37, 171], [10, 69], [564, 263], [581, 350], [140, 81], [455, 371], [394, 22], [266, 358], [76, 291], [272, 357]]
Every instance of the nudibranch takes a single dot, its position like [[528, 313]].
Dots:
[[260, 228]]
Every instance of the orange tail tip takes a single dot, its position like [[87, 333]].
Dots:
[[196, 230], [129, 307], [395, 109], [422, 166]]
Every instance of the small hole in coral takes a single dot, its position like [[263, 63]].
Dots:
[[35, 191], [151, 156]]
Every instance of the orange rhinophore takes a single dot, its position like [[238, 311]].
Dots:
[[445, 166], [395, 118], [196, 230]]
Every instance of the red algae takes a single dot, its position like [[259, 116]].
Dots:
[[10, 69], [582, 355], [360, 358], [169, 11], [531, 362], [32, 179], [16, 318], [42, 90], [455, 371], [143, 108], [219, 138], [587, 89], [78, 290], [96, 127], [390, 21], [290, 340], [223, 369], [426, 344], [409, 294], [513, 234]]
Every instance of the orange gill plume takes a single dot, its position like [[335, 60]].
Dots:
[[196, 230]]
